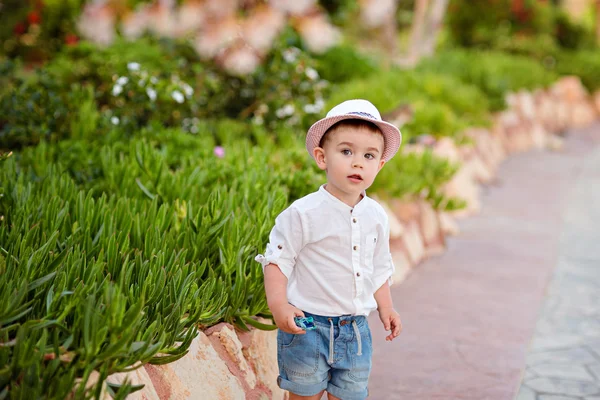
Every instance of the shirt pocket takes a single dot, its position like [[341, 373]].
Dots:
[[370, 245]]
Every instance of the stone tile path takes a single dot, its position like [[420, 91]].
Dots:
[[564, 355], [470, 315]]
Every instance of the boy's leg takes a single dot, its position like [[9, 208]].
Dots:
[[352, 367], [315, 397], [303, 369]]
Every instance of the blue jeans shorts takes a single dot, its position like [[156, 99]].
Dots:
[[335, 357]]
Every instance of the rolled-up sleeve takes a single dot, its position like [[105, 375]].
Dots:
[[285, 242], [383, 265]]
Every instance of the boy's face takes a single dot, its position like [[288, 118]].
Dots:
[[352, 158]]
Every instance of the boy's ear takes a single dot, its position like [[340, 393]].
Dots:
[[381, 164], [319, 155]]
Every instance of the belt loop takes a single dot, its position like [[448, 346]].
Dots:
[[330, 341], [357, 333]]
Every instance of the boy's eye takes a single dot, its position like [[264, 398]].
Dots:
[[346, 152], [369, 156]]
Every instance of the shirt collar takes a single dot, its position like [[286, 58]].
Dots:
[[334, 201]]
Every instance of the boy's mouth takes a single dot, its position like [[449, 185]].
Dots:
[[355, 178]]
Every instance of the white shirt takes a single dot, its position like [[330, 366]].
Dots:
[[334, 256]]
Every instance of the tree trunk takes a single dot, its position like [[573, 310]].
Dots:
[[433, 26], [598, 22], [417, 31]]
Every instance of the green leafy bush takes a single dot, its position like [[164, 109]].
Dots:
[[36, 108], [116, 253], [343, 63], [414, 175], [36, 30], [494, 73], [442, 105], [583, 63]]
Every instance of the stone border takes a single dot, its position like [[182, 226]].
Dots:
[[228, 365]]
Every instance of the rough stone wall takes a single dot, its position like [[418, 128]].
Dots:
[[229, 365]]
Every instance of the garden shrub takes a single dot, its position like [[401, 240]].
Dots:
[[494, 73], [342, 63], [418, 175], [162, 229], [442, 105], [583, 63]]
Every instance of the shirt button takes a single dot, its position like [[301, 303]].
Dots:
[[354, 220], [279, 247], [358, 274], [355, 247]]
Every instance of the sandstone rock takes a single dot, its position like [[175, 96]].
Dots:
[[413, 242], [405, 211], [539, 135], [546, 111], [233, 346], [402, 267], [396, 227], [200, 374], [430, 226], [463, 186], [448, 224], [555, 143], [596, 99], [489, 148], [480, 171], [446, 148], [569, 88], [523, 103], [582, 114], [562, 114], [90, 383], [137, 377], [261, 353]]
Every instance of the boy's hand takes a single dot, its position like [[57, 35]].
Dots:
[[391, 321], [284, 318]]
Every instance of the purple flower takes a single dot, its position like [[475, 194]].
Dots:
[[219, 152]]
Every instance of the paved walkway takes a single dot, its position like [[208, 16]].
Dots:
[[470, 315], [564, 357]]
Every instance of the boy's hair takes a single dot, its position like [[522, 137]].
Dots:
[[349, 123]]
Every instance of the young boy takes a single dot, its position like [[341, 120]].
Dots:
[[328, 258]]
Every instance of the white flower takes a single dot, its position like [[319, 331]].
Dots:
[[141, 82], [177, 96], [117, 89], [311, 73], [187, 89], [258, 120], [289, 109], [285, 111], [114, 120], [153, 80], [151, 93], [194, 129], [133, 66], [309, 109], [289, 55], [122, 80], [319, 104]]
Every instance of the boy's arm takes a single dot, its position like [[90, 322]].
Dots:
[[388, 315], [276, 290]]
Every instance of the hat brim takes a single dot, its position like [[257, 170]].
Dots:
[[391, 134]]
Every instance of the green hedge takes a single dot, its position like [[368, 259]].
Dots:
[[116, 253]]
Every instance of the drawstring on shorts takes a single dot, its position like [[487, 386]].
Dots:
[[357, 333], [331, 339]]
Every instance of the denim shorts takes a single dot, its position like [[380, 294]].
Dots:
[[335, 357]]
